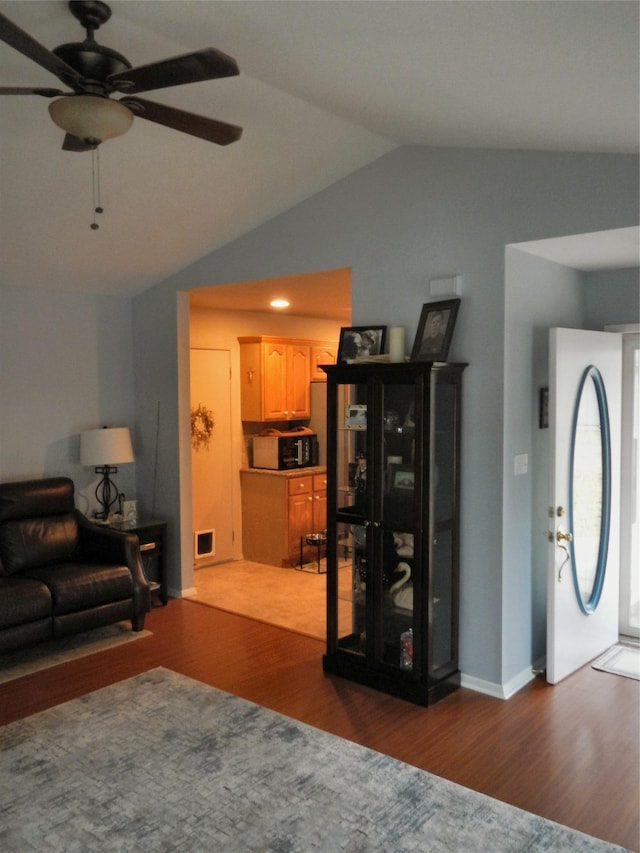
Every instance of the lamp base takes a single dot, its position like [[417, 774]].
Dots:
[[106, 491]]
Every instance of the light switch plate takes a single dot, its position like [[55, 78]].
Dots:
[[450, 285], [521, 464]]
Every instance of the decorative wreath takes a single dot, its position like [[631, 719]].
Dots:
[[202, 424]]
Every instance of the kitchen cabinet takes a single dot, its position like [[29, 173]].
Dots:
[[278, 508], [274, 379], [393, 445], [319, 503], [300, 515], [322, 352]]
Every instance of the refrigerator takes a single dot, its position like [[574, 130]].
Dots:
[[318, 419]]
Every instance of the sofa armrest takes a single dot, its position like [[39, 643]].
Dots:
[[100, 544]]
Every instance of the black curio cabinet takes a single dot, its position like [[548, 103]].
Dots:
[[393, 487]]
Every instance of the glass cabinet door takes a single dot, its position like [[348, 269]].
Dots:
[[398, 556], [375, 530], [443, 613], [351, 482]]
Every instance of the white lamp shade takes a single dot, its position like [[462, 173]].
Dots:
[[107, 446], [91, 118]]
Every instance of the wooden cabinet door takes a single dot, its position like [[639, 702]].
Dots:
[[251, 380], [322, 354], [319, 503], [298, 392], [300, 514], [275, 376], [274, 381]]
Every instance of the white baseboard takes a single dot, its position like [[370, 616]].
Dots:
[[500, 691], [489, 688], [517, 683]]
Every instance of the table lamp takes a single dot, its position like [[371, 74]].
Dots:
[[106, 448]]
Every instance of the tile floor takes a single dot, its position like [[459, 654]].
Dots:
[[289, 598]]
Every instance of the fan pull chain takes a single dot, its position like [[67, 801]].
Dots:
[[95, 174]]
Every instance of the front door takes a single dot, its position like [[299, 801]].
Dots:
[[584, 422]]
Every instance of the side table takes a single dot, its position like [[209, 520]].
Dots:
[[152, 536]]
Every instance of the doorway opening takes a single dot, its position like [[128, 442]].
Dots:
[[219, 315]]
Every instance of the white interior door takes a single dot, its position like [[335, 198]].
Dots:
[[211, 465], [575, 637]]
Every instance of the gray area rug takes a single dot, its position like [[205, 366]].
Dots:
[[164, 763], [43, 655]]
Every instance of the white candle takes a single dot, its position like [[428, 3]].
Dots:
[[396, 343]]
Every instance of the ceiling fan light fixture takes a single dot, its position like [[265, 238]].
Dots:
[[91, 118]]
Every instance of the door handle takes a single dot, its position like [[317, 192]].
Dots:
[[561, 538]]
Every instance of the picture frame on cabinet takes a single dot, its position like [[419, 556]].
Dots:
[[360, 342], [435, 330], [355, 416], [401, 479]]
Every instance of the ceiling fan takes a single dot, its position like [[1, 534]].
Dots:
[[94, 72]]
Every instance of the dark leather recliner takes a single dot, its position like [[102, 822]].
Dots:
[[60, 573]]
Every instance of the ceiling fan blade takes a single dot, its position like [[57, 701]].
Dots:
[[207, 64], [72, 143], [17, 90], [25, 44], [205, 128]]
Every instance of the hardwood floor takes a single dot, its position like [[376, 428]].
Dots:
[[569, 753]]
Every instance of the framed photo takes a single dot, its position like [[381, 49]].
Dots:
[[401, 479], [435, 330], [543, 409], [361, 341], [355, 416]]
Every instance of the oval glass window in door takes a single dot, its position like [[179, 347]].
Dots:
[[590, 489]]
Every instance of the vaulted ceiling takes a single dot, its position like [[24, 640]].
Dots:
[[324, 88]]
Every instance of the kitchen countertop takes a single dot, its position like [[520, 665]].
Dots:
[[293, 472]]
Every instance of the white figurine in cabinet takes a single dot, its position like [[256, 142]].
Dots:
[[401, 591]]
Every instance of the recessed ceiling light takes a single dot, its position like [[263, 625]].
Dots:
[[279, 303]]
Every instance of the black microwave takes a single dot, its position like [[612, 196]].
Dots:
[[281, 451]]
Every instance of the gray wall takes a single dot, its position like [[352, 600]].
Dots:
[[612, 297], [539, 295], [73, 361], [65, 365], [414, 214]]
